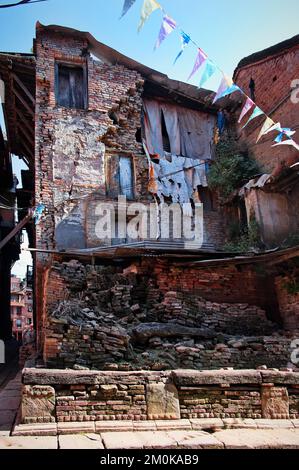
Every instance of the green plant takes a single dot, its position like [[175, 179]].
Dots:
[[292, 286], [243, 240], [231, 167]]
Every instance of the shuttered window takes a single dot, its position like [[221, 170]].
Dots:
[[120, 177], [71, 86]]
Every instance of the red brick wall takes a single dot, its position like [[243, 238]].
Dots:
[[288, 302], [229, 283], [273, 77]]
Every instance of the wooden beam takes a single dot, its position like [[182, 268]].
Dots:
[[25, 122], [23, 87], [29, 140], [28, 150], [21, 99], [16, 229]]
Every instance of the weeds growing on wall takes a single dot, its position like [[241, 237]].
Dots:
[[231, 167], [245, 240]]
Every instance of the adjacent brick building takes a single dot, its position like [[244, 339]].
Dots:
[[271, 77], [21, 305]]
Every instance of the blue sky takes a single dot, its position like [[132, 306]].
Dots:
[[226, 30]]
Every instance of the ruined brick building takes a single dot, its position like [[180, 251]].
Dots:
[[94, 124]]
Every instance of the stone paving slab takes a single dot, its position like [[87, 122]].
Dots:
[[9, 403], [121, 440], [259, 439], [213, 424], [26, 442], [78, 441], [195, 440]]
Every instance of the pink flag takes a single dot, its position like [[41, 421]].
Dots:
[[247, 106], [200, 59], [168, 25]]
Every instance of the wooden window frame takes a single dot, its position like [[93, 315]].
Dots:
[[73, 65]]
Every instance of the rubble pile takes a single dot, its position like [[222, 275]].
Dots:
[[111, 319]]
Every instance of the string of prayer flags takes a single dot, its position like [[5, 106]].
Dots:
[[127, 6], [247, 106], [168, 25], [209, 70], [185, 39], [200, 59], [285, 131], [256, 112], [266, 126], [148, 7]]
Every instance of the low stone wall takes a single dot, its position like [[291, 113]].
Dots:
[[53, 395]]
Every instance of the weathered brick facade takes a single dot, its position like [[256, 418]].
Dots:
[[273, 72]]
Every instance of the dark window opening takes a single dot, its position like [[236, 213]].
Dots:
[[274, 78], [206, 198], [71, 86], [138, 135], [252, 89], [29, 321], [165, 137], [19, 310]]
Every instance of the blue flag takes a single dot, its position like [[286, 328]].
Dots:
[[209, 70], [127, 6], [185, 41]]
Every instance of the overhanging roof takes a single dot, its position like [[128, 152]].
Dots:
[[203, 97]]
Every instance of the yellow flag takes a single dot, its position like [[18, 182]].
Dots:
[[267, 124], [147, 9]]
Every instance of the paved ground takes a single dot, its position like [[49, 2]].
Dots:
[[181, 434]]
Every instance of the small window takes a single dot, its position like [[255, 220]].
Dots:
[[71, 86], [19, 310], [29, 308], [29, 321], [18, 323], [120, 177]]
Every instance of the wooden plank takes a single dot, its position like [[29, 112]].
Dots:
[[16, 229], [21, 99], [25, 122], [24, 88], [29, 140], [126, 177]]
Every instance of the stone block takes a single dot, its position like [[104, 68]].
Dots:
[[162, 401], [38, 401], [275, 402]]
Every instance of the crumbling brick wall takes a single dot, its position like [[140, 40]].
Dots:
[[287, 288], [115, 318]]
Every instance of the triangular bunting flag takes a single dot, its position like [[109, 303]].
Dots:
[[148, 7], [256, 112], [247, 106], [285, 131], [185, 39], [200, 59], [127, 6], [266, 126], [168, 25], [288, 142], [229, 90], [224, 84], [275, 127], [209, 70]]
